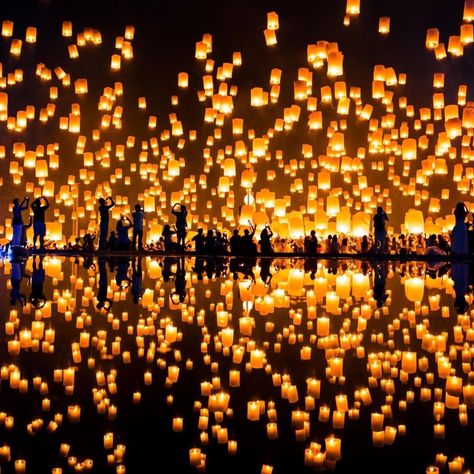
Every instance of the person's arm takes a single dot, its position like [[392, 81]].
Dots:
[[46, 206], [24, 203], [112, 203]]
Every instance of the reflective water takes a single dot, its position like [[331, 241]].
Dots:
[[242, 365]]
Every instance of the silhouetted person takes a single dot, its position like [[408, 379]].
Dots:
[[460, 274], [334, 248], [311, 244], [459, 245], [266, 241], [39, 220], [247, 245], [88, 242], [123, 239], [168, 238], [137, 280], [17, 219], [221, 243], [235, 242], [199, 242], [102, 301], [181, 224], [24, 230], [138, 218], [210, 242], [37, 297], [104, 207], [380, 232], [112, 243]]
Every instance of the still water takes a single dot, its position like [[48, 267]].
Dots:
[[185, 365]]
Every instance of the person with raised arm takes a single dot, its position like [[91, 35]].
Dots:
[[104, 207], [266, 235], [17, 220], [181, 223], [39, 222]]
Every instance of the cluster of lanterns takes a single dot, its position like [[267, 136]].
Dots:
[[398, 359], [407, 146]]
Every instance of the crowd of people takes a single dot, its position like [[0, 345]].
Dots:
[[214, 242]]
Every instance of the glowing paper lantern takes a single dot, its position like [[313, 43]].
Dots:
[[414, 289], [414, 221]]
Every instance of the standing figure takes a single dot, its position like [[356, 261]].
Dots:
[[266, 241], [104, 207], [24, 230], [311, 244], [181, 224], [199, 241], [380, 232], [17, 221], [459, 244], [138, 217], [39, 223]]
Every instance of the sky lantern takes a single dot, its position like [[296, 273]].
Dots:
[[7, 28], [384, 25], [432, 38], [353, 7], [270, 37], [414, 221], [335, 67]]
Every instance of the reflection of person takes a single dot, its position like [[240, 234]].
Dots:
[[380, 279], [459, 274], [17, 220], [121, 278], [179, 293], [102, 300], [380, 233], [137, 280], [265, 273], [104, 207], [181, 224], [17, 273], [37, 297], [459, 238], [39, 220]]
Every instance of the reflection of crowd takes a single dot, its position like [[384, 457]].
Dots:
[[128, 274]]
